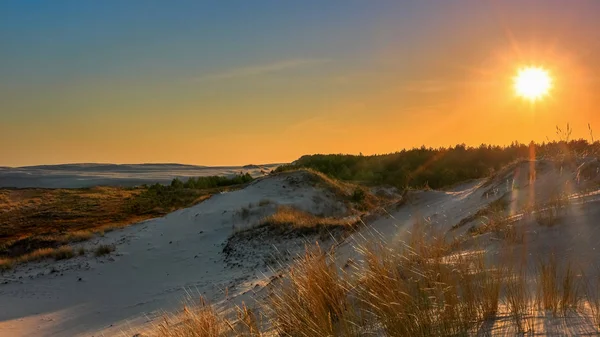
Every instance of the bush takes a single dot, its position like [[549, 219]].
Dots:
[[160, 199], [359, 195]]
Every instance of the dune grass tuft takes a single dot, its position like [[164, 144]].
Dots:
[[104, 250], [312, 300], [63, 253], [290, 216], [60, 253], [6, 264]]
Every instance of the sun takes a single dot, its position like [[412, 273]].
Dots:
[[533, 83]]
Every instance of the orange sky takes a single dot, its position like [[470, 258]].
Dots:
[[372, 80]]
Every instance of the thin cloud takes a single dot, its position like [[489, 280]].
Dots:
[[261, 69]]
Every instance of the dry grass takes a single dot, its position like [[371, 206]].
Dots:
[[35, 219], [6, 264], [48, 218], [313, 300], [60, 253], [343, 190], [78, 236], [420, 290], [591, 288], [397, 293], [63, 253], [518, 300], [104, 250], [557, 290], [290, 216], [422, 287], [202, 320]]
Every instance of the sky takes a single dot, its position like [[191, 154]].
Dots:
[[239, 82]]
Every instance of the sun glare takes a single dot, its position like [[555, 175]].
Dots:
[[532, 83]]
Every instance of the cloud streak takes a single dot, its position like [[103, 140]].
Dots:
[[261, 69]]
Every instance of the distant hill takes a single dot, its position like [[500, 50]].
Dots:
[[99, 174]]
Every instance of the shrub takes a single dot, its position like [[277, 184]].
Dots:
[[358, 195], [176, 183]]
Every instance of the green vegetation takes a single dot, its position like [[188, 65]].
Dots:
[[212, 181], [436, 167], [160, 199]]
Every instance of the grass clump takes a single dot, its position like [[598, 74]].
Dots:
[[313, 300], [557, 291], [419, 290], [104, 250], [290, 216], [60, 253], [591, 288], [63, 253], [201, 321], [518, 299], [6, 264]]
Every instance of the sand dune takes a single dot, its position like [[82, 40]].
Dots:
[[158, 263]]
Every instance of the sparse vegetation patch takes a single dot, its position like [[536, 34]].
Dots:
[[104, 250]]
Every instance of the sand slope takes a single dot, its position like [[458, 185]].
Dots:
[[156, 264]]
